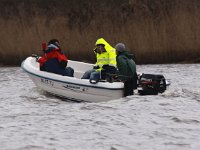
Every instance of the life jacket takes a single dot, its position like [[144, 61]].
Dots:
[[56, 53], [52, 52]]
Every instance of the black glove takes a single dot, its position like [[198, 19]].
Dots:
[[105, 67], [96, 67]]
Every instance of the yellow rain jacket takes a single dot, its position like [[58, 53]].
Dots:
[[106, 58]]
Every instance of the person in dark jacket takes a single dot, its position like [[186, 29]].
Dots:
[[126, 69], [54, 60]]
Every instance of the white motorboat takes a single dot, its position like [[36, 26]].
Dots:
[[72, 88], [75, 88]]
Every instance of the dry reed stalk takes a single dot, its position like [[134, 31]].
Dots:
[[156, 32]]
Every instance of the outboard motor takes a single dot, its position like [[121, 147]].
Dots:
[[151, 84]]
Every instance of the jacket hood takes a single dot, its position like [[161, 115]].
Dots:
[[103, 42], [127, 54], [53, 46]]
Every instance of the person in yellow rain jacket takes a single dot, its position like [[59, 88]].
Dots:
[[105, 62]]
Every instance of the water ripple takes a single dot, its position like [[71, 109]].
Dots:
[[187, 121], [32, 119]]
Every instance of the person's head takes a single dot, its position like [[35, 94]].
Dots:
[[100, 48], [54, 42], [120, 47]]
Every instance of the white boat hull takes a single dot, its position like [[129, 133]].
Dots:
[[72, 88]]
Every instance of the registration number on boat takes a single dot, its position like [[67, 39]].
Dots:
[[46, 81]]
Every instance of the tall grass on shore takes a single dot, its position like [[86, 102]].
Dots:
[[156, 31]]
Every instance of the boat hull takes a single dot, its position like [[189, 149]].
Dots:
[[72, 88]]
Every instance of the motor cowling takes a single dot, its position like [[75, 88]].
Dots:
[[151, 84]]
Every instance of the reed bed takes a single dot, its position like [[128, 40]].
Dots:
[[156, 31]]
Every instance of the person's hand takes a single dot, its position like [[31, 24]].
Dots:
[[96, 67], [105, 67], [44, 46]]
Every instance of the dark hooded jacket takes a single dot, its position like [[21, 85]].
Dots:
[[126, 68]]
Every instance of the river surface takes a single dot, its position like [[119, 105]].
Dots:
[[33, 120]]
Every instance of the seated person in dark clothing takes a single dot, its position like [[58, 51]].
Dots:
[[54, 60]]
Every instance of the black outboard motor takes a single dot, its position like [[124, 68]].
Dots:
[[151, 84]]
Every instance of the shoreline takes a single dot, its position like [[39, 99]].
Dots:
[[197, 61]]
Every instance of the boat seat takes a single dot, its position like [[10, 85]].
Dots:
[[78, 74]]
